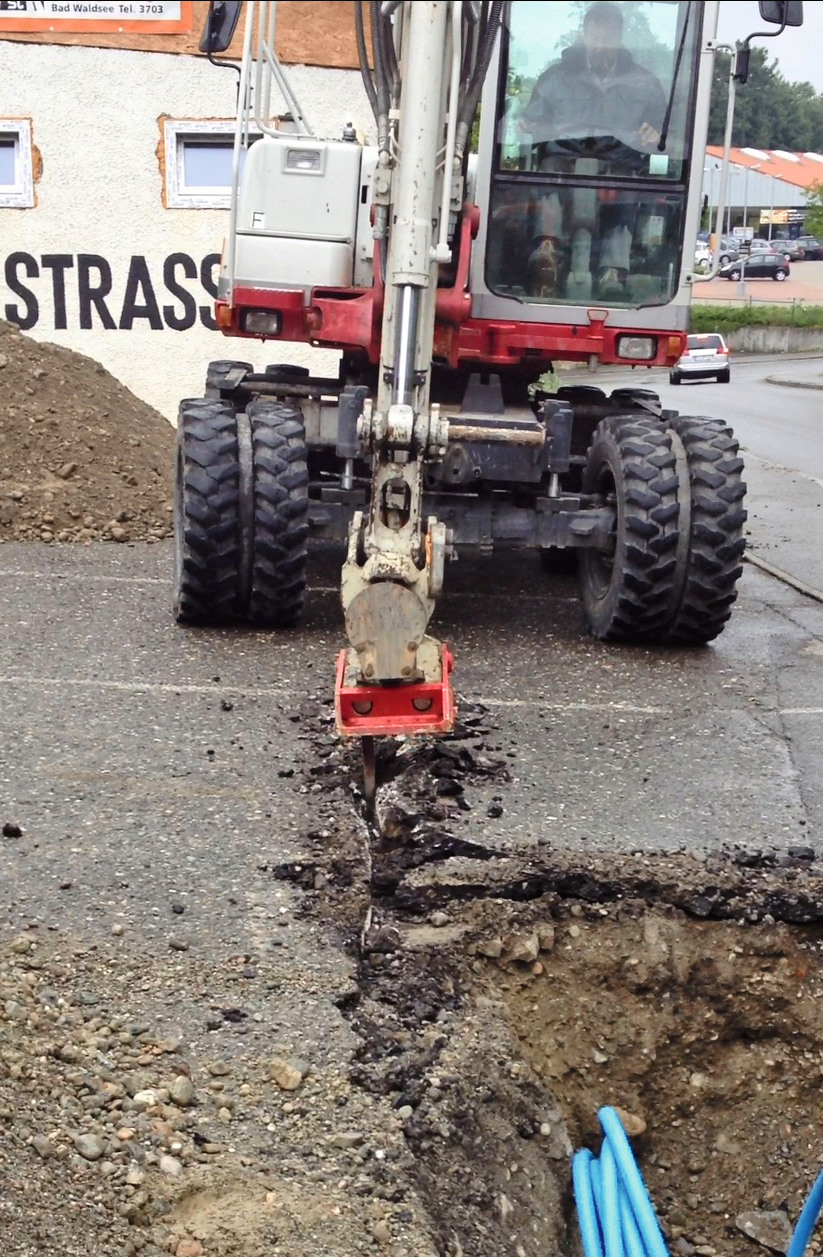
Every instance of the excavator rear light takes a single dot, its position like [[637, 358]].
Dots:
[[638, 348], [305, 160], [263, 322]]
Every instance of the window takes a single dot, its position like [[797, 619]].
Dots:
[[708, 341], [589, 188], [199, 158], [608, 89], [16, 178]]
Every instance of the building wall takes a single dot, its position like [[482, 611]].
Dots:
[[309, 32], [97, 115]]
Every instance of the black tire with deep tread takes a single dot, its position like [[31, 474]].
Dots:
[[280, 478], [217, 371], [206, 514], [629, 597], [716, 541]]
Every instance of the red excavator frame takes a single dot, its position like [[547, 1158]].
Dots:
[[349, 319]]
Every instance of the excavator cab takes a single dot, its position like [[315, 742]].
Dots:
[[588, 140]]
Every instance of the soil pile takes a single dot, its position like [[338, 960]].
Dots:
[[81, 458], [121, 1135]]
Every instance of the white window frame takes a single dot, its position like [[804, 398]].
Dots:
[[175, 134], [20, 194]]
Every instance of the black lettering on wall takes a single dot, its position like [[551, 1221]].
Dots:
[[179, 322], [94, 295], [58, 264], [15, 261], [207, 279], [139, 283], [95, 285]]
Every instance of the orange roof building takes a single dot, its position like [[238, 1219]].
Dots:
[[765, 185]]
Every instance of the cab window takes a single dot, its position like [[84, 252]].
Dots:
[[589, 185], [607, 82]]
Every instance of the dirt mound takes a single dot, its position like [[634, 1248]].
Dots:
[[81, 458]]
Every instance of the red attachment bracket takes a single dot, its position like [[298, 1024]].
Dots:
[[366, 711]]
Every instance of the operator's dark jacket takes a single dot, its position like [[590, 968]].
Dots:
[[568, 101]]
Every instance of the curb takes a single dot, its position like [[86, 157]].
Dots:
[[789, 383]]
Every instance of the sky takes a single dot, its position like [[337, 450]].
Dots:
[[797, 50]]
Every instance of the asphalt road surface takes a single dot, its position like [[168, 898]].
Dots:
[[146, 761]]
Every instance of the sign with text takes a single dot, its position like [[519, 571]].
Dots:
[[159, 17], [89, 292], [781, 216]]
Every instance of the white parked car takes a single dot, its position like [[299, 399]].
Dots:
[[706, 356], [702, 257]]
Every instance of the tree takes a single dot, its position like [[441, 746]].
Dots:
[[813, 220], [769, 111]]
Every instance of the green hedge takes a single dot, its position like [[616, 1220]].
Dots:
[[717, 318]]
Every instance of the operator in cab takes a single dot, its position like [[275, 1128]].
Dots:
[[597, 88], [595, 102]]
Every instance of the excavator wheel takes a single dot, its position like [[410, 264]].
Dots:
[[217, 371], [240, 514], [629, 590], [275, 513], [715, 530], [206, 514]]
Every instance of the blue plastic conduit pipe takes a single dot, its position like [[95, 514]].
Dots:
[[805, 1223], [615, 1214]]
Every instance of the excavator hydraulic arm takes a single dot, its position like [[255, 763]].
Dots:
[[430, 60]]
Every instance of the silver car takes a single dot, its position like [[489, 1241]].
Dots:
[[706, 356]]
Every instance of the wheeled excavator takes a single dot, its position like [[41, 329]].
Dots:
[[531, 196]]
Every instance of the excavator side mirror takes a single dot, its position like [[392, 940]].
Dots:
[[220, 25], [782, 12]]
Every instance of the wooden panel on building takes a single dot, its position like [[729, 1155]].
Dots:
[[308, 33]]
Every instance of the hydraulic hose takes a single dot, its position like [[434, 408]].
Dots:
[[490, 25], [381, 74], [614, 1213], [362, 57]]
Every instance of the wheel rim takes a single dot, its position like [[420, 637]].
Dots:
[[780, 276]]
